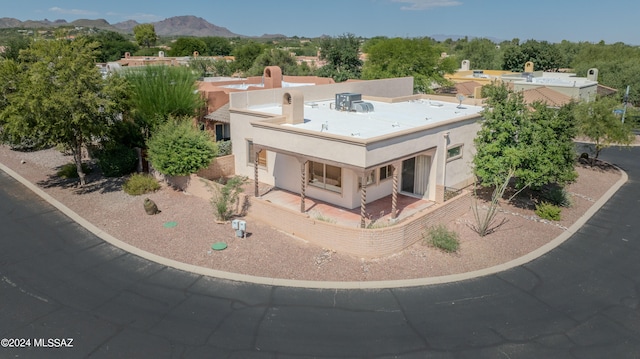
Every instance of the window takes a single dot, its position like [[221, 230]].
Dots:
[[325, 176], [386, 172], [454, 152], [223, 132], [371, 179], [251, 155]]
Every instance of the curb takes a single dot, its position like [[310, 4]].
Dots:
[[321, 284]]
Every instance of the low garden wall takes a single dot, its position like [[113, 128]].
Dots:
[[366, 243]]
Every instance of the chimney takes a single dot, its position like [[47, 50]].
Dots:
[[528, 67], [592, 74], [293, 107], [466, 65], [272, 77]]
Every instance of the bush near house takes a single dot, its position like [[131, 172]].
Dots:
[[179, 149], [225, 199], [139, 184], [70, 171], [548, 211], [117, 160], [442, 238]]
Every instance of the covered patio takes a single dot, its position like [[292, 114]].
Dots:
[[378, 212]]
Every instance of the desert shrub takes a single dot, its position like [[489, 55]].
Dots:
[[322, 218], [117, 160], [442, 238], [558, 196], [548, 211], [177, 148], [139, 184], [224, 201], [224, 148], [71, 171]]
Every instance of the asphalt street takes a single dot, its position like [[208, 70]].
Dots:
[[58, 282]]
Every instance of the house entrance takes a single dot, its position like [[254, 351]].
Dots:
[[415, 175]]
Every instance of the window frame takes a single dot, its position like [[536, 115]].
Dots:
[[459, 147], [262, 156], [314, 180]]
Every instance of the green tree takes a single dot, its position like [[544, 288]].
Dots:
[[274, 57], [61, 97], [159, 92], [14, 45], [246, 54], [186, 46], [597, 121], [482, 53], [112, 46], [400, 57], [217, 46], [533, 145], [179, 149], [342, 55], [145, 35], [544, 55], [210, 67]]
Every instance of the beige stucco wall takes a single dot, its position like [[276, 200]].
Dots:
[[291, 146]]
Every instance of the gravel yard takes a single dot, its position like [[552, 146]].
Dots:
[[267, 252]]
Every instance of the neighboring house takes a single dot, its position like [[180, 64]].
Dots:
[[577, 88], [216, 93], [352, 143]]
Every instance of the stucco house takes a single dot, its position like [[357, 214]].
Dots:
[[351, 143]]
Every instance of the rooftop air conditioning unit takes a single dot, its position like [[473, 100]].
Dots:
[[347, 101]]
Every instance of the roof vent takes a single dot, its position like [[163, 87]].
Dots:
[[347, 101]]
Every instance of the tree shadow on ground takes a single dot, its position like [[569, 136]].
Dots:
[[96, 182]]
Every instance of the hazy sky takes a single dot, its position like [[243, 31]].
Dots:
[[551, 20]]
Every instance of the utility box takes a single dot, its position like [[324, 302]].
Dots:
[[240, 227]]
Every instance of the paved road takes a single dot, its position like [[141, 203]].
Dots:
[[58, 281]]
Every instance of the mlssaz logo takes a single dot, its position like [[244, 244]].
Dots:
[[53, 343]]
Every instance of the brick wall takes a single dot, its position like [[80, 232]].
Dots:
[[365, 243]]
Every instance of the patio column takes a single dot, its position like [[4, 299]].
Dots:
[[363, 201], [394, 192], [255, 174], [303, 185], [445, 140]]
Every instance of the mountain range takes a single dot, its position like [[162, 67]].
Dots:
[[173, 26]]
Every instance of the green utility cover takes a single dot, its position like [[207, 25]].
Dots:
[[219, 246], [170, 224]]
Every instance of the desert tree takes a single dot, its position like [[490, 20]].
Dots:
[[532, 143], [597, 121], [60, 97], [145, 35]]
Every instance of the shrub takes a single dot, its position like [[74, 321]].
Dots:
[[443, 238], [321, 217], [548, 211], [139, 184], [558, 196], [177, 148], [117, 160], [71, 171], [223, 202], [224, 148]]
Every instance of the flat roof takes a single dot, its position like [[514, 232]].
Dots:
[[386, 118], [244, 86]]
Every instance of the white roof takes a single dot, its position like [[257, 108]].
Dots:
[[244, 86], [386, 118]]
